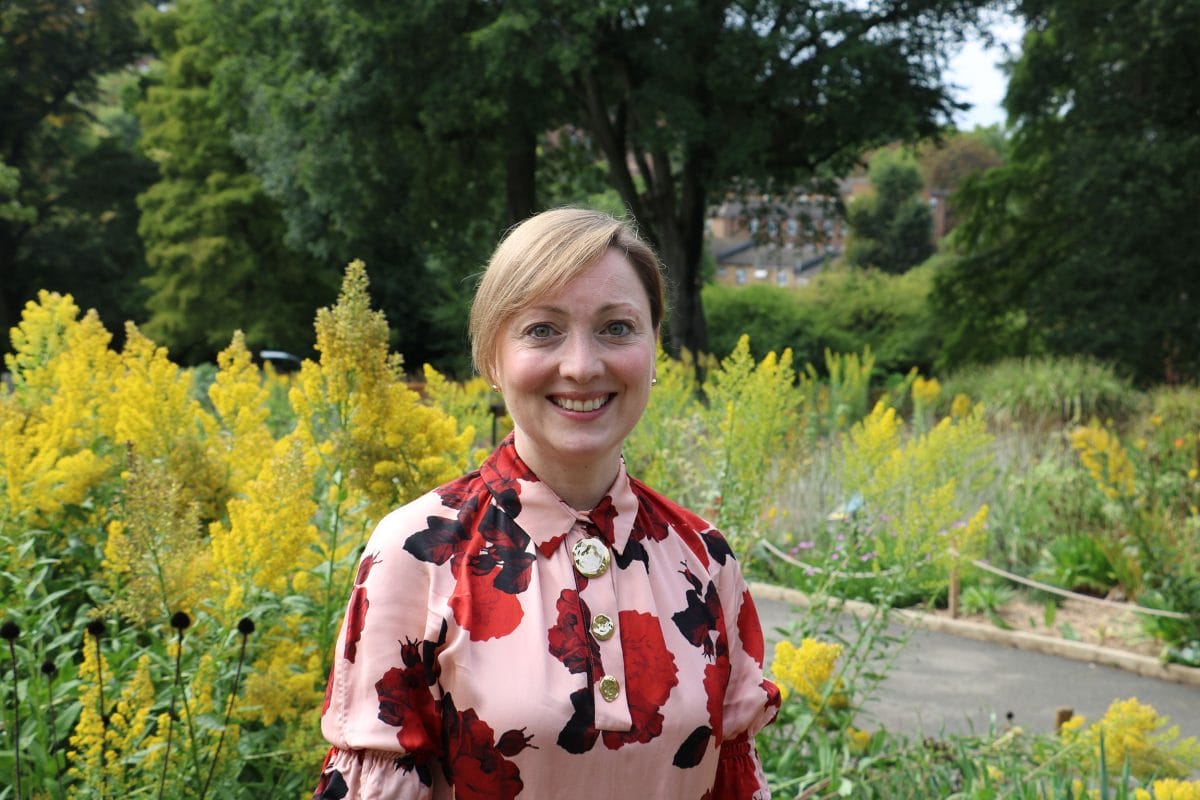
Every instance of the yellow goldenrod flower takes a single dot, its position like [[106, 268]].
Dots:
[[1105, 459], [1172, 789], [1134, 731], [926, 392], [805, 670]]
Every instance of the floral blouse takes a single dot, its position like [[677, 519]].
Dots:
[[499, 644]]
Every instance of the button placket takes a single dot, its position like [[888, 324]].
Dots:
[[609, 695]]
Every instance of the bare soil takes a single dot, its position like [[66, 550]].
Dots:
[[1076, 620]]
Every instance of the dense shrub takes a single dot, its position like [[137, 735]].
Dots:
[[844, 310], [1047, 391]]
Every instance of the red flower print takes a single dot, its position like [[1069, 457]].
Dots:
[[716, 683], [332, 786], [717, 546], [774, 699], [507, 548], [503, 473], [703, 615], [656, 514], [736, 772], [479, 607], [569, 642], [602, 517], [442, 540], [649, 523], [693, 749], [650, 674], [356, 615], [406, 702], [750, 630], [328, 693], [579, 734], [476, 768], [456, 493]]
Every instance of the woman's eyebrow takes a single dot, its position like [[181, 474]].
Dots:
[[604, 309]]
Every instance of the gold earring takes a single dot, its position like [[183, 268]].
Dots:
[[495, 388], [654, 381]]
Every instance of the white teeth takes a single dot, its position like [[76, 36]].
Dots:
[[580, 405]]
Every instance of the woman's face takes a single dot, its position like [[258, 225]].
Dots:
[[575, 369]]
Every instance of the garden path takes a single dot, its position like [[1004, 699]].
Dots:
[[941, 682]]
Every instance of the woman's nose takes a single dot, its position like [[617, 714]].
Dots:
[[581, 360]]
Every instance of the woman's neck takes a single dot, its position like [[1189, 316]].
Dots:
[[580, 485]]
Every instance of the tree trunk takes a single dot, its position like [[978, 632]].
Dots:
[[520, 173], [680, 246]]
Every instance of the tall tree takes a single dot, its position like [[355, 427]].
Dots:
[[214, 240], [891, 228], [64, 135], [685, 99], [1086, 241], [383, 135]]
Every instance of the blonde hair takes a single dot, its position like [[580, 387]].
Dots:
[[542, 255]]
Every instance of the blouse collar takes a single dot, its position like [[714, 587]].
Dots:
[[546, 517]]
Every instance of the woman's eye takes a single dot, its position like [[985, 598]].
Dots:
[[540, 331], [618, 329]]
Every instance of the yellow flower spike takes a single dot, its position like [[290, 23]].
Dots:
[[859, 740], [356, 412], [1172, 789], [805, 670], [239, 396], [960, 407], [1135, 731], [926, 392]]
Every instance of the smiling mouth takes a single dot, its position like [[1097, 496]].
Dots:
[[581, 405]]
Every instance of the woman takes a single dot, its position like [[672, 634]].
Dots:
[[547, 626]]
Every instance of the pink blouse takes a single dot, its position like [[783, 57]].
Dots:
[[500, 644]]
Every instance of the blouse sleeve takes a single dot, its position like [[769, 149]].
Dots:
[[751, 700], [381, 713]]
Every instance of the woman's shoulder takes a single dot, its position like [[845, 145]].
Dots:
[[447, 501], [658, 512], [659, 505]]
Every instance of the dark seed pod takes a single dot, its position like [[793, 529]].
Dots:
[[245, 626], [180, 620], [10, 631], [49, 668], [96, 628]]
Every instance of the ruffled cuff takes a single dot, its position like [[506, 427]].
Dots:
[[739, 772], [372, 775]]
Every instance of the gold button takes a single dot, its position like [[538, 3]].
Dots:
[[603, 627], [610, 688], [591, 557]]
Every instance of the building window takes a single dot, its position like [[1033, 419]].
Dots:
[[740, 276], [773, 228], [793, 227], [781, 277], [761, 274], [754, 226]]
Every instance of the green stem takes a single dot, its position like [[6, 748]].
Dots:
[[228, 713], [175, 689]]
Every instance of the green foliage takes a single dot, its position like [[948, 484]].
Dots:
[[844, 311], [711, 95], [891, 228], [1047, 391], [833, 404], [214, 240], [704, 448], [1085, 242], [773, 318], [382, 132], [70, 220]]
